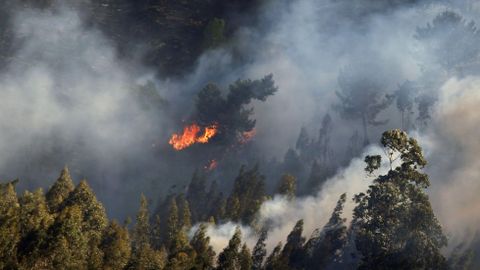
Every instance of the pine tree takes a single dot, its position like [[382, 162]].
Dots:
[[59, 190], [143, 255], [201, 244], [293, 252], [116, 247], [325, 248], [68, 244], [94, 220], [245, 258], [275, 261], [259, 251], [228, 259], [142, 226], [394, 222], [35, 220], [247, 196], [287, 186], [186, 221], [9, 226], [197, 197], [172, 222]]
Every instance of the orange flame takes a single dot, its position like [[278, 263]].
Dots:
[[189, 136], [248, 136]]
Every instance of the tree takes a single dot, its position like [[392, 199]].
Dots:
[[172, 222], [228, 259], [293, 252], [60, 190], [274, 260], [362, 96], [245, 258], [116, 247], [259, 251], [450, 39], [94, 220], [35, 221], [304, 143], [186, 221], [287, 186], [201, 244], [9, 226], [404, 101], [247, 196], [323, 142], [324, 248], [197, 196], [68, 244], [143, 255], [141, 231], [229, 113], [394, 223]]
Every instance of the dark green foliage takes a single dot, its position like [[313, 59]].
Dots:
[[325, 248], [229, 259], [201, 244], [287, 186], [115, 246], [247, 196], [394, 222], [9, 229], [293, 253], [230, 112], [259, 251], [245, 258], [60, 190]]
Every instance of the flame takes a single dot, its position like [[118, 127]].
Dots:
[[247, 136], [211, 165], [189, 136]]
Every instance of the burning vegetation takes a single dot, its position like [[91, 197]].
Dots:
[[191, 136]]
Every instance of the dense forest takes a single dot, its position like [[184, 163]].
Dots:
[[256, 134]]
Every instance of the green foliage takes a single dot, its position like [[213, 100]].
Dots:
[[325, 248], [116, 247], [229, 259], [9, 226], [259, 251], [204, 252], [230, 113], [35, 221], [247, 196], [293, 253], [245, 258], [394, 222], [287, 186], [60, 190]]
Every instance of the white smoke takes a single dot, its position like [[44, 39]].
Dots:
[[280, 214], [453, 147]]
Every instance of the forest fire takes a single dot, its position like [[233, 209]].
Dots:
[[190, 136]]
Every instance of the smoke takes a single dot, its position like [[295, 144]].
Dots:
[[66, 98], [452, 147], [279, 214]]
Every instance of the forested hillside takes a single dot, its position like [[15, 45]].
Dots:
[[259, 134]]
